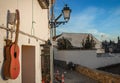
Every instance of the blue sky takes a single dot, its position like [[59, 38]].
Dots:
[[99, 17]]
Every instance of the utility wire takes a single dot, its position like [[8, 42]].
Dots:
[[32, 28], [21, 32]]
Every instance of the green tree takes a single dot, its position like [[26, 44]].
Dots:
[[89, 43], [83, 43], [64, 44], [118, 39], [93, 43]]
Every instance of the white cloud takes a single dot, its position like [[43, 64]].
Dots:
[[99, 35], [112, 22]]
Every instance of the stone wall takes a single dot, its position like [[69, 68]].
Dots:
[[102, 77]]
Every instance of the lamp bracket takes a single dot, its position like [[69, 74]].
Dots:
[[56, 24], [60, 22], [58, 17]]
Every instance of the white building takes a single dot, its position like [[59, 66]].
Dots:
[[88, 58], [34, 31], [76, 39]]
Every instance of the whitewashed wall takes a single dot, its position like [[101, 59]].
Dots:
[[40, 16], [86, 58]]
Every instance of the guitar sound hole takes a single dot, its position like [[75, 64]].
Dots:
[[15, 54]]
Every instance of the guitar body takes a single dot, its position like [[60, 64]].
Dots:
[[14, 65]]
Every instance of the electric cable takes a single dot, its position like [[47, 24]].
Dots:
[[32, 28]]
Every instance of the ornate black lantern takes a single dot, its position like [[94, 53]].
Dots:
[[66, 12]]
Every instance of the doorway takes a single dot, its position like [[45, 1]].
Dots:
[[28, 64]]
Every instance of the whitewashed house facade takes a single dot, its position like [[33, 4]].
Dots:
[[76, 39], [34, 31]]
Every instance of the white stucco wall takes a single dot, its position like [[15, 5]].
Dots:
[[86, 58], [40, 16]]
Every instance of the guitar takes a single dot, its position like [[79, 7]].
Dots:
[[7, 58], [14, 52]]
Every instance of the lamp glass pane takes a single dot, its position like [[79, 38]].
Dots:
[[66, 14]]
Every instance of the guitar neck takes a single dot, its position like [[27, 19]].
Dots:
[[8, 12], [17, 26]]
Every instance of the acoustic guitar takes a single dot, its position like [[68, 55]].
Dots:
[[14, 52], [7, 57]]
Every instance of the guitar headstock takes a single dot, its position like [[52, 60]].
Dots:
[[17, 17]]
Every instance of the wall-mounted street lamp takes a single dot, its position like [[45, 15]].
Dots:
[[53, 24]]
